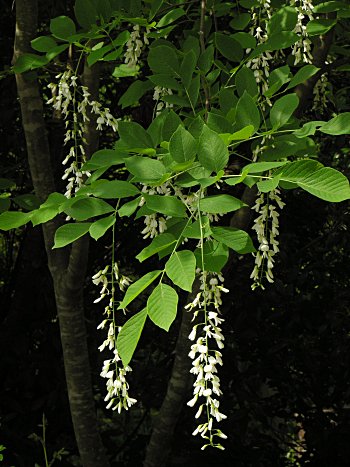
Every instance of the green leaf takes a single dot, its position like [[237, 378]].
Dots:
[[187, 68], [129, 208], [134, 93], [212, 151], [215, 256], [145, 169], [162, 306], [257, 167], [163, 59], [229, 47], [13, 219], [182, 145], [43, 43], [220, 204], [62, 27], [69, 233], [339, 125], [329, 7], [247, 112], [283, 109], [137, 287], [27, 62], [29, 202], [181, 269], [129, 335], [206, 59], [168, 205], [320, 26], [237, 240], [277, 79], [170, 17], [198, 229], [6, 184], [308, 129], [124, 70], [112, 189], [133, 135], [284, 19], [85, 13], [268, 185], [86, 208], [159, 243], [240, 21], [244, 133], [100, 227], [302, 75], [246, 40], [166, 81], [105, 158], [324, 182], [51, 54], [245, 81]]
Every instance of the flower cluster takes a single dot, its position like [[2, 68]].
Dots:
[[266, 227], [154, 223], [321, 91], [205, 358], [134, 46], [72, 101], [158, 95], [113, 369], [302, 48]]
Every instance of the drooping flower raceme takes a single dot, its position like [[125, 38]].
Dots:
[[206, 357], [302, 48], [113, 370], [266, 226], [72, 101]]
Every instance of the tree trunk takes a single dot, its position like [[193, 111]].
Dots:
[[67, 266]]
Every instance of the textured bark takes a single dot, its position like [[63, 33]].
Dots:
[[159, 447], [67, 266]]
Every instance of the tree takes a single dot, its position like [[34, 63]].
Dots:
[[215, 108]]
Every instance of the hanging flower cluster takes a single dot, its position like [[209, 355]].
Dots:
[[266, 227], [206, 336], [302, 48], [321, 92], [158, 95], [72, 101], [135, 45], [113, 369]]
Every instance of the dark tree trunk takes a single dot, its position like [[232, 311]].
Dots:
[[67, 266]]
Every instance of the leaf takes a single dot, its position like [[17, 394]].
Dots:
[[27, 62], [145, 169], [220, 204], [181, 269], [339, 125], [257, 167], [240, 21], [206, 59], [134, 93], [237, 240], [43, 43], [100, 227], [187, 68], [229, 47], [182, 145], [137, 287], [215, 256], [283, 109], [69, 233], [85, 13], [302, 75], [112, 189], [124, 70], [212, 151], [277, 79], [29, 202], [245, 81], [62, 27], [13, 219], [320, 26], [163, 59], [129, 208], [162, 306], [308, 129], [168, 205], [51, 54], [105, 158], [86, 208], [284, 19], [129, 336], [170, 17], [247, 112], [134, 135], [159, 243], [198, 229], [6, 184], [324, 182]]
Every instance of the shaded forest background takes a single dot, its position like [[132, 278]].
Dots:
[[287, 355]]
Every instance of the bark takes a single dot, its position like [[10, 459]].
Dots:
[[159, 447], [67, 266]]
